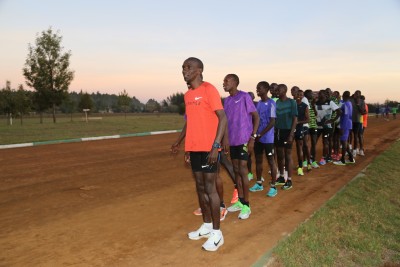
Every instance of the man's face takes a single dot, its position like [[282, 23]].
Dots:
[[300, 95], [336, 94], [281, 91], [190, 71], [294, 91], [322, 95], [229, 83], [274, 90], [260, 90]]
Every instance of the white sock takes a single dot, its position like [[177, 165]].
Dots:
[[218, 232], [208, 225]]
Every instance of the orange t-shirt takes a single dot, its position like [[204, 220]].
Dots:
[[201, 120], [365, 117]]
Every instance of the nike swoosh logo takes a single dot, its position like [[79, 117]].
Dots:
[[216, 244], [205, 166], [197, 97], [237, 101], [270, 154]]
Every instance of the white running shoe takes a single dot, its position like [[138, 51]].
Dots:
[[202, 232], [215, 240], [361, 153]]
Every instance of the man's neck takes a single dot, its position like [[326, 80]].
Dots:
[[264, 98], [283, 98], [196, 83], [233, 92]]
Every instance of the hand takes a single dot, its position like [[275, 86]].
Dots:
[[257, 138], [174, 148], [187, 157], [213, 156]]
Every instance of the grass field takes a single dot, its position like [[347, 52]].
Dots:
[[98, 125], [358, 227]]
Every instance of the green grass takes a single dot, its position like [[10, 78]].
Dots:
[[32, 131], [360, 226]]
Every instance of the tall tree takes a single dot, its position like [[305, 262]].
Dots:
[[123, 101], [47, 71], [85, 102]]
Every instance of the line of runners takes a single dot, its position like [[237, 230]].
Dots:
[[243, 128]]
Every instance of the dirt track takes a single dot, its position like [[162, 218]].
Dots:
[[127, 202]]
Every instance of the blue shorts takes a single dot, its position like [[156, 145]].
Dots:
[[345, 135]]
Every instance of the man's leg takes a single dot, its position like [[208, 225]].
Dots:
[[271, 162], [289, 166], [212, 199]]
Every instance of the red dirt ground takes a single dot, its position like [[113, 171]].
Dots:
[[127, 202]]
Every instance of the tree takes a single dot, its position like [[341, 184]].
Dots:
[[85, 102], [123, 101], [68, 106], [152, 106], [22, 101], [137, 106], [47, 71], [7, 102], [177, 101]]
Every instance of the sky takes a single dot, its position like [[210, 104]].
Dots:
[[139, 46]]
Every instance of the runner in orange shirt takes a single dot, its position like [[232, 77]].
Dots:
[[203, 132]]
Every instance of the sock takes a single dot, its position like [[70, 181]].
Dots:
[[208, 225], [222, 204], [259, 182], [246, 203], [217, 231], [289, 178], [241, 200]]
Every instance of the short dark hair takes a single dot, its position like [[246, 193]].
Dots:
[[264, 84], [198, 62], [234, 77], [282, 86], [346, 94], [308, 93]]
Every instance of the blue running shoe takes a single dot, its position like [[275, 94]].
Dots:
[[256, 187], [272, 192], [322, 162]]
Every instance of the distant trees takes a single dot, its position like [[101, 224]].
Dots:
[[23, 101], [177, 103], [47, 71], [124, 101], [85, 102], [152, 106], [7, 102]]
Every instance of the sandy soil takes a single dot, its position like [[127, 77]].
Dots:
[[127, 202]]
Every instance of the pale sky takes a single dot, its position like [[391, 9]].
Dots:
[[140, 46]]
